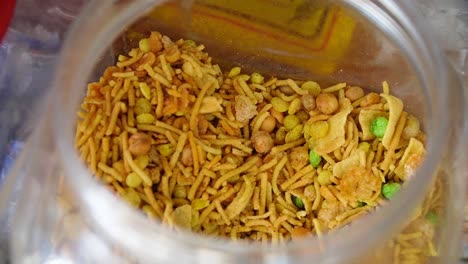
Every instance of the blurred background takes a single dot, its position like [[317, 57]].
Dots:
[[32, 43]]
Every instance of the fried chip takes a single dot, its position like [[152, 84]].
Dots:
[[241, 200], [411, 159], [182, 216], [395, 108], [343, 166], [336, 134]]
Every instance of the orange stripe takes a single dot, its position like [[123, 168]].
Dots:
[[271, 34]]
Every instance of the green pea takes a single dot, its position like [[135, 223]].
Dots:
[[432, 217], [390, 189], [298, 202], [314, 158], [379, 126]]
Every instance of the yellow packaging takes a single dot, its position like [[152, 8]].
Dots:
[[313, 36]]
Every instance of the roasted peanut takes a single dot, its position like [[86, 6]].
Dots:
[[370, 99], [268, 124], [354, 92], [327, 103]]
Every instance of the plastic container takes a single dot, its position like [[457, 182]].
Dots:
[[67, 215], [28, 52]]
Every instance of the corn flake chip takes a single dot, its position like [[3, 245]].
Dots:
[[395, 107], [182, 216], [241, 201], [336, 134], [211, 104], [343, 166], [411, 159]]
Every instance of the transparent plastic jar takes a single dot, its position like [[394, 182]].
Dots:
[[68, 215]]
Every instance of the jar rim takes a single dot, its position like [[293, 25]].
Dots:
[[97, 199]]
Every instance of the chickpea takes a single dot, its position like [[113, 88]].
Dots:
[[268, 124], [327, 103], [308, 101], [262, 141], [371, 98], [187, 158], [139, 144], [354, 92]]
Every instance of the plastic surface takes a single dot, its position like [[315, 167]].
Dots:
[[28, 53], [89, 224]]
